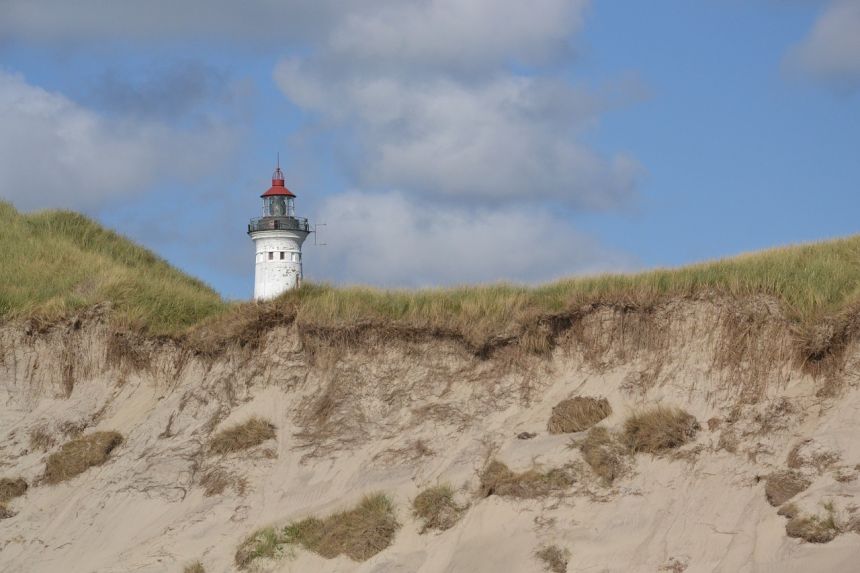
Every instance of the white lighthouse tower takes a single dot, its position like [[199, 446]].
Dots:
[[278, 236]]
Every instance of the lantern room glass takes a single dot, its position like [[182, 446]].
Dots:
[[278, 206]]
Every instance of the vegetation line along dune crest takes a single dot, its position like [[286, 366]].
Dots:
[[82, 266]]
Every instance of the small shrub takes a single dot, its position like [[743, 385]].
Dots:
[[359, 533], [5, 512], [12, 488], [812, 529], [498, 479], [195, 567], [266, 542], [604, 454], [659, 429], [40, 439], [782, 485], [554, 558], [577, 414], [80, 454], [436, 506], [242, 436]]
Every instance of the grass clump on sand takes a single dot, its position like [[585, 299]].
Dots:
[[658, 429], [813, 529], [498, 479], [788, 510], [359, 533], [437, 507], [12, 488], [196, 567], [782, 485], [80, 454], [554, 558], [265, 543], [602, 451], [242, 436], [578, 414], [54, 263], [40, 439]]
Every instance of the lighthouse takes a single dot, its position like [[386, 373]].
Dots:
[[278, 236]]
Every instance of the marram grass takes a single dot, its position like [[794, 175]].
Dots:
[[55, 263]]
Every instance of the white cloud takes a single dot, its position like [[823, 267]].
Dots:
[[509, 138], [831, 51], [388, 239], [465, 100], [54, 152], [465, 35]]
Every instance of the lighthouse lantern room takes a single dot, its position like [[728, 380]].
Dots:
[[278, 236]]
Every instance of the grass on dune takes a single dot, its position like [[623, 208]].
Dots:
[[810, 280], [53, 263]]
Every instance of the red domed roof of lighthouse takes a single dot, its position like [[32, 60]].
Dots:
[[278, 187]]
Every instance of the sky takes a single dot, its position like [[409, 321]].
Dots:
[[438, 142]]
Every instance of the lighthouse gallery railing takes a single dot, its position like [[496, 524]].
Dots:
[[279, 224]]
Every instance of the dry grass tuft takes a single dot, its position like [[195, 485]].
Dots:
[[5, 512], [810, 454], [242, 436], [788, 510], [603, 452], [359, 533], [554, 558], [578, 414], [782, 485], [215, 481], [498, 479], [437, 507], [812, 528], [12, 488], [80, 454], [196, 567], [853, 523], [728, 441], [41, 439], [658, 429]]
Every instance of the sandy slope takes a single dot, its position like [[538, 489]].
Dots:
[[407, 414]]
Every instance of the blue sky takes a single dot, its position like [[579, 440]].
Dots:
[[440, 141]]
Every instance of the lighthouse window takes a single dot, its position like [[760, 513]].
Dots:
[[271, 255], [282, 255]]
